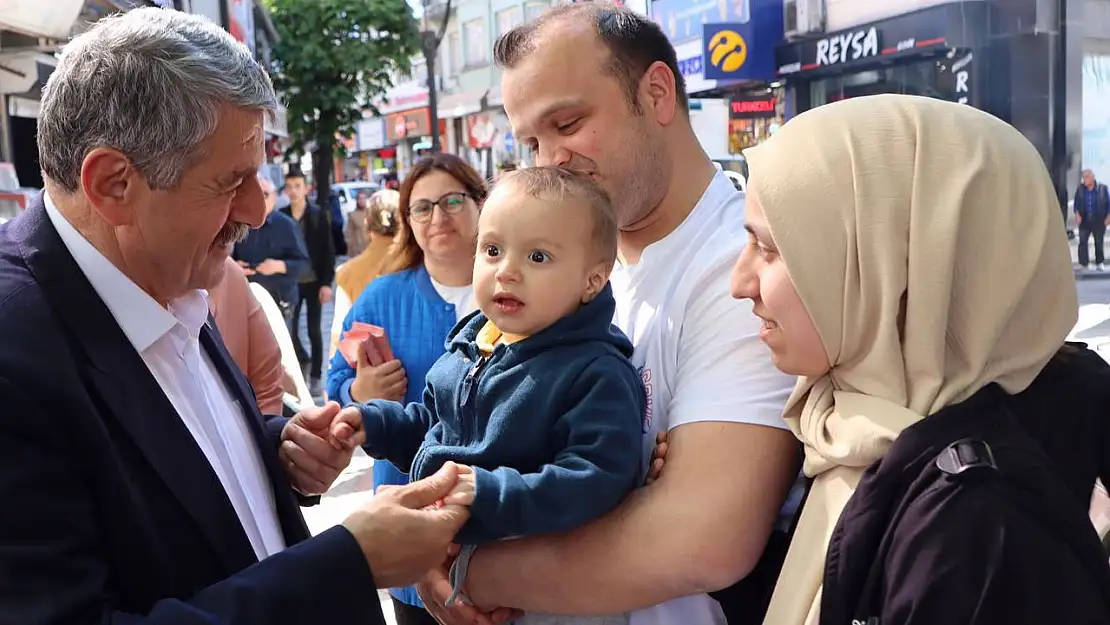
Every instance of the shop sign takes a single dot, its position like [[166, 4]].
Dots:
[[480, 131], [743, 51], [240, 17], [752, 107], [370, 134], [962, 70], [408, 124], [690, 66], [954, 78], [849, 46], [949, 25]]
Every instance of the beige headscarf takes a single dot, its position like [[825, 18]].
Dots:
[[926, 242]]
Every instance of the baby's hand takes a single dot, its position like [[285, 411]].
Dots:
[[463, 492]]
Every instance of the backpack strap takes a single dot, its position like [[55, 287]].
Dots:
[[960, 460]]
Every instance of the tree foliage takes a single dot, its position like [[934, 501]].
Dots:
[[334, 58]]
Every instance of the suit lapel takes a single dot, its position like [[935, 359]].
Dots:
[[292, 522], [125, 390]]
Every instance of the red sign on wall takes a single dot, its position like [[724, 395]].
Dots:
[[751, 107], [408, 125]]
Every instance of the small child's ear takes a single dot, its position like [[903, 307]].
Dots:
[[596, 281]]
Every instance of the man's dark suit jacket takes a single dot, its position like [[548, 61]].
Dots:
[[110, 512]]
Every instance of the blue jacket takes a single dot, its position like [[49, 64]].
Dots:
[[417, 321], [551, 424], [279, 237]]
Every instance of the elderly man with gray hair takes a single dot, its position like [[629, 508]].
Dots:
[[141, 484]]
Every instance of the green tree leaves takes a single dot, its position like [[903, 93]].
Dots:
[[334, 58]]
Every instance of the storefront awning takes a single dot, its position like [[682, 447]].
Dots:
[[25, 73], [452, 105], [51, 20]]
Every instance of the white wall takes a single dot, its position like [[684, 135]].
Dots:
[[1096, 115], [711, 126], [841, 14], [207, 8]]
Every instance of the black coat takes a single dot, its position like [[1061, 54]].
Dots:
[[111, 513], [1007, 540], [318, 240]]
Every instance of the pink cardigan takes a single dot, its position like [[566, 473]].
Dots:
[[248, 337]]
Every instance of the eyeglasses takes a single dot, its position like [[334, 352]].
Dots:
[[421, 211]]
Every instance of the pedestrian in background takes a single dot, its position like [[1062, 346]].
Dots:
[[315, 283], [354, 231], [1092, 214], [380, 225]]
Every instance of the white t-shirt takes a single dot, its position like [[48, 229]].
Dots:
[[697, 348], [462, 297]]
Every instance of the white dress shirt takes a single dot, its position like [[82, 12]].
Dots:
[[169, 343]]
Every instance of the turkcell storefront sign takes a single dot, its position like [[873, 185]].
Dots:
[[744, 51], [682, 20]]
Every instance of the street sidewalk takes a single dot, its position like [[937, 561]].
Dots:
[[352, 488], [1082, 273]]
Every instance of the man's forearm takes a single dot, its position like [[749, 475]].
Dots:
[[683, 535], [623, 553]]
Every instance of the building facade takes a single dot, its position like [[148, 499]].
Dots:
[[1020, 60], [31, 33], [472, 122]]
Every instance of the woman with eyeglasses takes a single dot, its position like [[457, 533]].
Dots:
[[423, 292]]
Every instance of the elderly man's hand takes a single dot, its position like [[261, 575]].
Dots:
[[403, 533], [312, 455]]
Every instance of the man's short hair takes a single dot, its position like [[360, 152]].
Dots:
[[557, 184], [149, 83], [634, 43], [294, 172]]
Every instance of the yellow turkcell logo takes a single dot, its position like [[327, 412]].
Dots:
[[727, 51]]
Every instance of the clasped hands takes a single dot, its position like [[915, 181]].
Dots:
[[317, 444]]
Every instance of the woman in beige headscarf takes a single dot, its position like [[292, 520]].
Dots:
[[905, 254]]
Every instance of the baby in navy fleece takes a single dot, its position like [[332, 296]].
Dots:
[[535, 397]]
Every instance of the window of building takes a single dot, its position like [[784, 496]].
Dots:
[[508, 19], [454, 52], [932, 78], [474, 33], [535, 8], [419, 70]]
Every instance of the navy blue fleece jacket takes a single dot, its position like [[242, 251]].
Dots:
[[551, 424]]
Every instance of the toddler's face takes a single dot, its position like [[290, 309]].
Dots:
[[535, 261]]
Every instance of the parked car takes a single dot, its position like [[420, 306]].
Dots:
[[347, 192]]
